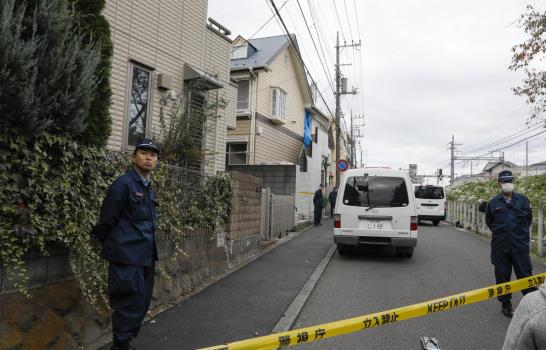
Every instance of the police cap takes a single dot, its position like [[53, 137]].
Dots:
[[505, 176], [146, 144]]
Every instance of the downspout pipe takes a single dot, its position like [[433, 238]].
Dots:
[[253, 102]]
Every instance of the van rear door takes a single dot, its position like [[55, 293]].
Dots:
[[376, 206], [430, 200]]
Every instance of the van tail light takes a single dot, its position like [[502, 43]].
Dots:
[[413, 224], [337, 221], [445, 207]]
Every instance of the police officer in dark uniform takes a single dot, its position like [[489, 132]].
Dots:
[[318, 203], [127, 231], [508, 216]]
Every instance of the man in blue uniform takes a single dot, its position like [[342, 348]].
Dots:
[[127, 231], [317, 201], [332, 197], [508, 216]]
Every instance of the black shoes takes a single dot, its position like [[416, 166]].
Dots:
[[507, 309]]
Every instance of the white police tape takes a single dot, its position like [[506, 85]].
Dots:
[[328, 330]]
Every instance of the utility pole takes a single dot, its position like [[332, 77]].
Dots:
[[526, 158], [452, 175], [454, 158], [355, 133], [338, 94]]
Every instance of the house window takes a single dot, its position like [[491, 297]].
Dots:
[[196, 124], [239, 51], [236, 153], [243, 94], [278, 103], [137, 110], [303, 161]]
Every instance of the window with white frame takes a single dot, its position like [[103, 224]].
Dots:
[[243, 96], [239, 51], [137, 110], [278, 103], [236, 153]]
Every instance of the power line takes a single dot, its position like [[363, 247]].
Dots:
[[348, 22], [283, 26], [339, 21], [314, 44], [507, 138]]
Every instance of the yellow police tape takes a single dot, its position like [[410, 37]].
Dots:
[[332, 329]]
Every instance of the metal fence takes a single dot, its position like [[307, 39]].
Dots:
[[277, 214], [466, 215]]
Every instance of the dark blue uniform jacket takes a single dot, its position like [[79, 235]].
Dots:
[[509, 223], [128, 222], [317, 199]]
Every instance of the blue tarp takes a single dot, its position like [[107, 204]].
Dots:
[[307, 130]]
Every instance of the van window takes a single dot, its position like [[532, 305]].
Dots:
[[429, 192], [382, 191]]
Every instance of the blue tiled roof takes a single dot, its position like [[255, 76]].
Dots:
[[266, 51]]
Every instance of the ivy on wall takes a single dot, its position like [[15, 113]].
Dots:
[[51, 191]]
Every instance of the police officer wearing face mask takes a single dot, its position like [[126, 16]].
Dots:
[[127, 231], [508, 216]]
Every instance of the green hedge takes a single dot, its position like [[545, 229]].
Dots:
[[533, 187], [51, 191]]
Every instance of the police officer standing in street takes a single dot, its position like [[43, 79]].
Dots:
[[508, 216], [332, 197], [318, 203], [127, 231]]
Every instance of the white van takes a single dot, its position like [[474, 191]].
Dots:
[[430, 203], [375, 206]]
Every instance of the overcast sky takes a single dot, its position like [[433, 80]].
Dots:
[[426, 70]]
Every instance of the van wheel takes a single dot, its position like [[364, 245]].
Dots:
[[435, 222], [342, 249]]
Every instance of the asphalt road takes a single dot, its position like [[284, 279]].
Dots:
[[446, 261]]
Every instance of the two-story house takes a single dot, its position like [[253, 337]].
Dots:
[[275, 111], [158, 49]]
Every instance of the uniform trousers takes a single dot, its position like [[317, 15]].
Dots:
[[130, 290]]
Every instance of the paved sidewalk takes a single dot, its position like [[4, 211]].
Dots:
[[246, 303]]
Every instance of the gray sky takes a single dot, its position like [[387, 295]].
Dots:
[[426, 70]]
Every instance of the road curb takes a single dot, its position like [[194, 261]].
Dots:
[[292, 312]]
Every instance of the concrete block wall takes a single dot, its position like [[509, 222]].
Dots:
[[281, 179], [56, 316], [244, 218]]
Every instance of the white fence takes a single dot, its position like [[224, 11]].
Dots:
[[466, 215]]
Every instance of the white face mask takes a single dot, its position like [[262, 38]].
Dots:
[[507, 187]]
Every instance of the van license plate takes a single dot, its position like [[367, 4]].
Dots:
[[375, 225]]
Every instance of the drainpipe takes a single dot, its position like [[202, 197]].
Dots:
[[253, 100]]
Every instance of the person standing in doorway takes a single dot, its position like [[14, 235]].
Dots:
[[508, 215], [318, 203], [332, 199], [127, 231]]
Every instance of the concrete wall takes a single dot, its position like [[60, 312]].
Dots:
[[280, 178]]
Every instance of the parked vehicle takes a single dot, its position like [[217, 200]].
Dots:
[[430, 203], [375, 206]]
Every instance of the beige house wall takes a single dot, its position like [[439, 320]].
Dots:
[[273, 145], [163, 36]]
